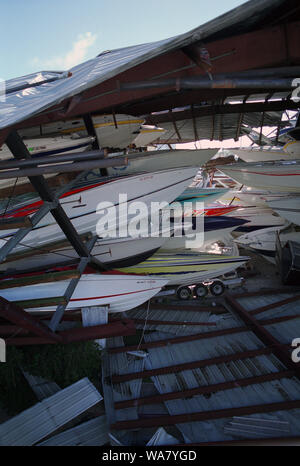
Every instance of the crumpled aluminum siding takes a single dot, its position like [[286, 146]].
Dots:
[[121, 364], [268, 392], [24, 104], [92, 433], [39, 421]]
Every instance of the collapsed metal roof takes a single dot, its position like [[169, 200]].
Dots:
[[69, 91], [221, 383]]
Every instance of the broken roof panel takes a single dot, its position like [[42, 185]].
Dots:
[[39, 421], [23, 104]]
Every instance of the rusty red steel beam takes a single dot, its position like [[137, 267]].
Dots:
[[17, 315], [120, 328], [292, 299], [203, 390], [167, 420], [172, 322], [12, 329], [277, 320], [190, 365], [177, 340], [280, 351]]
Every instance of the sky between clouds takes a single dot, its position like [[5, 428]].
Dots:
[[58, 34]]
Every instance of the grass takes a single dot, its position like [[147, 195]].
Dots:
[[63, 364]]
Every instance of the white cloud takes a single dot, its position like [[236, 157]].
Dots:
[[76, 55]]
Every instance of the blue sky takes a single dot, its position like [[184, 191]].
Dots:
[[58, 34]]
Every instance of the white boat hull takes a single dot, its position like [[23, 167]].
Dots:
[[199, 242], [81, 207], [288, 208], [51, 146], [119, 292], [187, 268], [292, 149], [262, 155], [46, 146], [147, 135], [162, 160], [112, 131], [270, 176], [120, 252], [264, 241]]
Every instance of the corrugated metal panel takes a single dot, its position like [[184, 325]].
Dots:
[[222, 321], [39, 421], [95, 316], [286, 331], [23, 104], [41, 387], [263, 393], [253, 302], [92, 433], [161, 437]]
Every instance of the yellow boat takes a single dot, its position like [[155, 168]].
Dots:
[[186, 268]]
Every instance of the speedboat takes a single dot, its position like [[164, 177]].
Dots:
[[149, 161], [51, 146], [112, 131], [255, 197], [147, 135], [205, 195], [100, 206], [288, 208], [263, 154], [263, 241], [186, 268], [257, 219], [113, 252], [120, 292], [282, 176], [204, 232], [44, 147]]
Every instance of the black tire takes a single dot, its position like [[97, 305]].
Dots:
[[184, 293], [217, 288], [200, 291]]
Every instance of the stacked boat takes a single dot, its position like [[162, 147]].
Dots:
[[270, 188], [119, 211]]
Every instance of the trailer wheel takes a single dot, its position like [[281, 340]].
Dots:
[[200, 291], [217, 288], [183, 292]]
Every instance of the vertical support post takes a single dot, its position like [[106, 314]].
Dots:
[[92, 132]]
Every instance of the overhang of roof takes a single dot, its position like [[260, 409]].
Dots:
[[258, 34]]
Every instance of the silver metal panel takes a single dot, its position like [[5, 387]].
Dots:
[[42, 388], [23, 104], [90, 433], [37, 422]]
